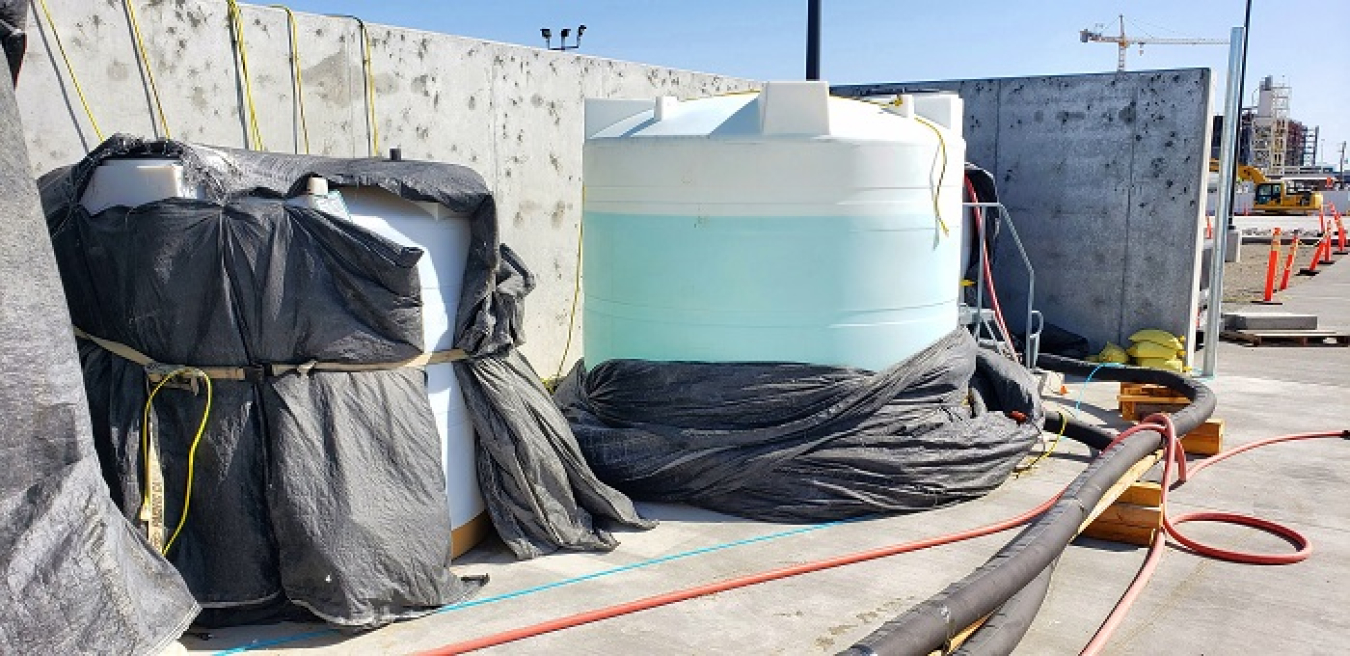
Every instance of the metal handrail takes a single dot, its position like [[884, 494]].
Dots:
[[1035, 322]]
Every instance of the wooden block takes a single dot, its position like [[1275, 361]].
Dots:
[[1145, 389], [1126, 522], [1112, 493], [1169, 399], [1119, 533], [470, 534], [1205, 440], [1134, 407], [1129, 514], [1142, 493]]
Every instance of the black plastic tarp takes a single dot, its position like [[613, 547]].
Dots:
[[324, 489], [13, 40], [799, 442], [76, 577]]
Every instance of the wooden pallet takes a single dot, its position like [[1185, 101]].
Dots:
[[1323, 337]]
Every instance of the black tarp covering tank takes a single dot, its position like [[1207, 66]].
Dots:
[[322, 489], [802, 442], [74, 575]]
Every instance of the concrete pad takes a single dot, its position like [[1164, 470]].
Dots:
[[1269, 321], [1194, 605]]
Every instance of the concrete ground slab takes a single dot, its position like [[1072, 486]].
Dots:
[[1194, 605]]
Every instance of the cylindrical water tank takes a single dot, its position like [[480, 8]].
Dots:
[[782, 225], [444, 237], [135, 182], [440, 233]]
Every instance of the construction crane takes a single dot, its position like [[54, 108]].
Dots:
[[1125, 42]]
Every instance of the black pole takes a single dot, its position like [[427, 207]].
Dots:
[[1242, 91], [813, 39]]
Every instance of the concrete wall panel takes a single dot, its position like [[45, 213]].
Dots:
[[512, 113], [1103, 176]]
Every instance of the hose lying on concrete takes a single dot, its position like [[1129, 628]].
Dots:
[[931, 624], [1005, 628], [1095, 437], [1022, 569]]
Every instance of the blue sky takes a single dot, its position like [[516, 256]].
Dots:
[[1305, 42]]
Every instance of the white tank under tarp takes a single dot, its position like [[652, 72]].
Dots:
[[440, 233], [135, 182], [444, 237], [782, 225]]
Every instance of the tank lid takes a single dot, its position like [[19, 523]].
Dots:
[[781, 109]]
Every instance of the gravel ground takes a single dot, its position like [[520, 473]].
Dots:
[[1245, 281]]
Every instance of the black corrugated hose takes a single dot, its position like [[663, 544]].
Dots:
[[931, 625]]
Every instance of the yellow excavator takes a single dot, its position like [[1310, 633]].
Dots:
[[1301, 195]]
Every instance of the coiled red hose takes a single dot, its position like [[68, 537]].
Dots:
[[1173, 453]]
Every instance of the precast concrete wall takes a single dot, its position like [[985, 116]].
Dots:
[[512, 113], [1104, 178]]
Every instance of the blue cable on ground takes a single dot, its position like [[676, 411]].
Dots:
[[264, 644]]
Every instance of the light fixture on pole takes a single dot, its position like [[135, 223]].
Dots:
[[562, 41]]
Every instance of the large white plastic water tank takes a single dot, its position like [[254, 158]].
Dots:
[[441, 234], [444, 236], [782, 225]]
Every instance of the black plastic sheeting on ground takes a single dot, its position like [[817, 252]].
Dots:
[[797, 442], [74, 576], [322, 489]]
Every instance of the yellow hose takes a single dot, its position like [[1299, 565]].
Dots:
[[237, 30], [192, 450], [145, 61], [295, 66], [942, 151], [70, 70]]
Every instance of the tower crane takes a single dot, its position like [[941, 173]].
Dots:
[[1125, 42]]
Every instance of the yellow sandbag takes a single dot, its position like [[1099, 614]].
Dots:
[[1161, 363], [1112, 353], [1152, 350], [1160, 337]]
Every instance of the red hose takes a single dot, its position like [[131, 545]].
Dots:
[[988, 272], [731, 584], [1174, 453]]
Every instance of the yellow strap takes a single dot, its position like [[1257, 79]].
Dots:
[[152, 497], [145, 61], [423, 360], [161, 372], [56, 36], [120, 350], [295, 68]]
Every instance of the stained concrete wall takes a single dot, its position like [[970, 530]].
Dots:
[[512, 113], [1104, 177]]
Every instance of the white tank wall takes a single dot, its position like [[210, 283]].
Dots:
[[512, 113], [444, 239], [800, 228]]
